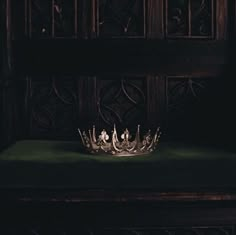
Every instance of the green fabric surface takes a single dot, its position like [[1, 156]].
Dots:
[[37, 163]]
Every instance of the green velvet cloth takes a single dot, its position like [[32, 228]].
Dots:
[[176, 166]]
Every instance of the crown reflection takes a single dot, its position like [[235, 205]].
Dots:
[[123, 146]]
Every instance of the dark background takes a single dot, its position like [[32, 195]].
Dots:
[[66, 64], [69, 64]]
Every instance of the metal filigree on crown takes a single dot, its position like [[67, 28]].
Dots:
[[124, 146]]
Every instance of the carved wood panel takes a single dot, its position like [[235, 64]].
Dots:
[[143, 96], [54, 18], [53, 108], [57, 107], [40, 18], [64, 18], [122, 101], [186, 101], [126, 18], [183, 91], [190, 18], [120, 19]]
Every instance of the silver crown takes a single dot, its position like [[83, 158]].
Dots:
[[124, 147]]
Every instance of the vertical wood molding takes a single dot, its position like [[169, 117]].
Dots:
[[8, 37], [87, 19], [156, 100], [26, 18], [221, 19], [94, 19], [5, 24], [7, 89], [155, 19], [53, 18], [234, 20], [87, 95], [1, 117], [27, 107], [8, 114], [83, 21], [76, 18], [2, 7]]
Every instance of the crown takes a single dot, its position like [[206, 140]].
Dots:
[[125, 146]]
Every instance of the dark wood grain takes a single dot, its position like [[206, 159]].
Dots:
[[8, 114], [7, 88], [155, 17], [117, 217], [18, 19], [222, 19], [87, 96], [73, 195], [103, 56], [6, 45], [86, 19], [156, 100]]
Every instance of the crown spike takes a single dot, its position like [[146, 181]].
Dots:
[[137, 138], [115, 133], [90, 137], [155, 140], [94, 134], [115, 140], [81, 136]]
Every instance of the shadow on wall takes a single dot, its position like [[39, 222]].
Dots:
[[212, 120]]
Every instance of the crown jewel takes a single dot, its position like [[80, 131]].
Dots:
[[124, 146]]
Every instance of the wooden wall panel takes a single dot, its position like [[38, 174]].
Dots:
[[145, 53], [190, 19], [191, 108], [121, 19], [53, 108], [121, 101]]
